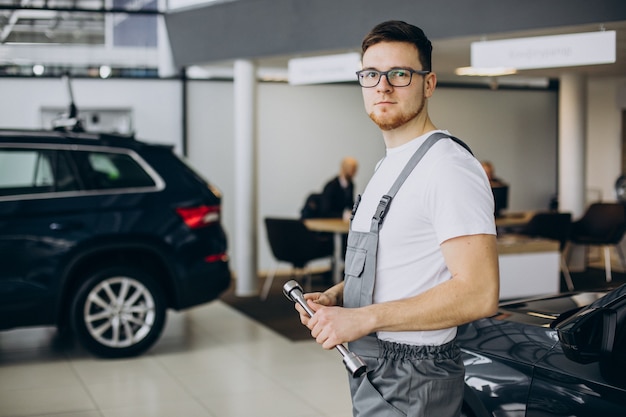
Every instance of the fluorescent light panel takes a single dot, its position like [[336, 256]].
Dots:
[[485, 72]]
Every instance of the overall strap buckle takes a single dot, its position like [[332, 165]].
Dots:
[[355, 206], [381, 210]]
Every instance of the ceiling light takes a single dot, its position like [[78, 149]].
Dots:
[[38, 69], [485, 72], [105, 71]]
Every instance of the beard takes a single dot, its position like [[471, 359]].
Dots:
[[388, 122]]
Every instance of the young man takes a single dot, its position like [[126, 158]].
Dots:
[[425, 265]]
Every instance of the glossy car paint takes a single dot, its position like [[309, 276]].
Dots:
[[47, 239], [515, 365]]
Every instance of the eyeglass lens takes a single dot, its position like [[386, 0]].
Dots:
[[395, 77]]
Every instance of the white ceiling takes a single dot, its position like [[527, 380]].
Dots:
[[87, 29], [449, 54], [453, 53]]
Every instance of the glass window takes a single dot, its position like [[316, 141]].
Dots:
[[34, 171], [116, 170]]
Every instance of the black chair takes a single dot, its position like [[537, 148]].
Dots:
[[291, 242], [555, 226], [603, 225]]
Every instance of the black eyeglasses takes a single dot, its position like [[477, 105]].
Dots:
[[397, 77]]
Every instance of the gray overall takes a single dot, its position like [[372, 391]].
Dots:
[[402, 380]]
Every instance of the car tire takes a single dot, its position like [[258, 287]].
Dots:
[[118, 312]]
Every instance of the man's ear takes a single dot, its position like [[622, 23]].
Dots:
[[430, 82]]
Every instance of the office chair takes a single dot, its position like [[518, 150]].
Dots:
[[603, 225], [291, 242], [555, 226]]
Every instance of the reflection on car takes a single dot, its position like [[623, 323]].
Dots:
[[563, 355]]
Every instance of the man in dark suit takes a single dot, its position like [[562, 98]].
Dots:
[[338, 195]]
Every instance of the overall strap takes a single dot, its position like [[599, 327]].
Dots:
[[385, 201]]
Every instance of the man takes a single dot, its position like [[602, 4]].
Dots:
[[490, 170], [430, 266], [338, 194]]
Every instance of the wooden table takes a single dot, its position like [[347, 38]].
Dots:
[[338, 227], [518, 218], [528, 266]]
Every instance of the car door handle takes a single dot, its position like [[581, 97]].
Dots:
[[65, 226]]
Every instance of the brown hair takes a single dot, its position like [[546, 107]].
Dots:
[[398, 31]]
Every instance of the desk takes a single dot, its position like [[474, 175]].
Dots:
[[528, 266], [513, 219], [338, 227]]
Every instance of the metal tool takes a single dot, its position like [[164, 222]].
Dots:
[[354, 364]]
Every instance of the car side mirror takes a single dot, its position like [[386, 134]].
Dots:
[[590, 334], [581, 334]]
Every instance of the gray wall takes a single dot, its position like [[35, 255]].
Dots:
[[304, 131]]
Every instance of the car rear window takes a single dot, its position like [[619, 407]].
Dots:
[[115, 170]]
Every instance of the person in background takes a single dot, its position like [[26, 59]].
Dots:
[[431, 266], [337, 196], [491, 174], [499, 189]]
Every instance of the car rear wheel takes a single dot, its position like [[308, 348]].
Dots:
[[118, 312]]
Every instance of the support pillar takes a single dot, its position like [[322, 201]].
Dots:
[[572, 129], [245, 242], [572, 162]]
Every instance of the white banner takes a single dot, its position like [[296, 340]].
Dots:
[[546, 51], [324, 69]]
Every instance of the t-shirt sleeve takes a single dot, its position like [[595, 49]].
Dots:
[[461, 201]]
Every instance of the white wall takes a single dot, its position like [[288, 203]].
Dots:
[[304, 131], [514, 129], [155, 104]]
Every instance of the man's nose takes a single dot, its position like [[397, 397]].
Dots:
[[384, 85]]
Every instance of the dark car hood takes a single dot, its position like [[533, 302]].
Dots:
[[543, 311]]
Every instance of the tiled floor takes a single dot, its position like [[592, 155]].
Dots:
[[211, 361]]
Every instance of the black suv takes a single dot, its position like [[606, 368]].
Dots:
[[101, 234]]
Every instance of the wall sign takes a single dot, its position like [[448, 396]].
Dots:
[[324, 69], [546, 51]]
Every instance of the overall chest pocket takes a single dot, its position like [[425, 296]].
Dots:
[[355, 261]]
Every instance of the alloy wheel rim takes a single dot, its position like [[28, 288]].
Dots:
[[119, 312]]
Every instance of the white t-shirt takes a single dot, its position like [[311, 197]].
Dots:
[[447, 195]]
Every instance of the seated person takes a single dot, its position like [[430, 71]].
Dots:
[[491, 174], [499, 188], [337, 198]]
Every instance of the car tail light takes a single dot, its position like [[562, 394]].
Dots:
[[196, 217], [219, 257]]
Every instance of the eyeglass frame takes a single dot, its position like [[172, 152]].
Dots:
[[381, 73]]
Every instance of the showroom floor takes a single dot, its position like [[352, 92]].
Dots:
[[211, 361]]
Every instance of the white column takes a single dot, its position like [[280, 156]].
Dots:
[[572, 178], [165, 57], [572, 129], [245, 241]]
